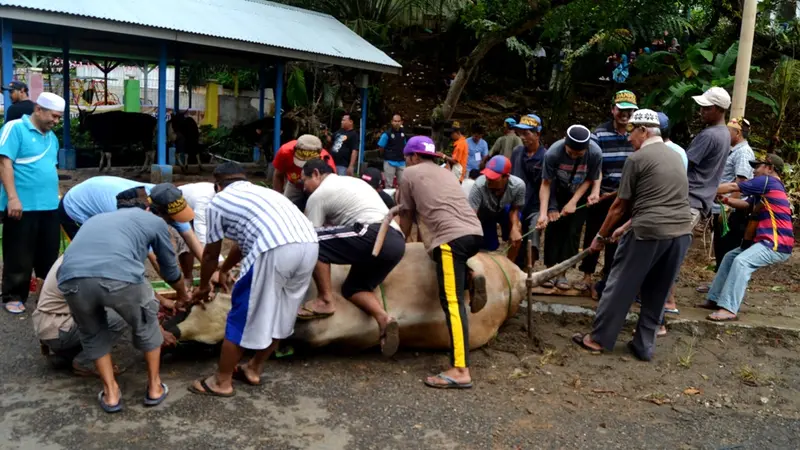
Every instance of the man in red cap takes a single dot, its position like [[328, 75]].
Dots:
[[497, 198], [289, 162]]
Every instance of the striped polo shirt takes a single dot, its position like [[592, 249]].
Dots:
[[774, 228], [258, 219], [616, 150]]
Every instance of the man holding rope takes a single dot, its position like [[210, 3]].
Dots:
[[347, 214], [654, 191]]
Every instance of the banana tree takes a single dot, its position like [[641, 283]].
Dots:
[[784, 87]]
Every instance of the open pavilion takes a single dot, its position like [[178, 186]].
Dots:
[[238, 33]]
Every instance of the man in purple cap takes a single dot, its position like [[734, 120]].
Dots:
[[497, 198], [430, 193], [571, 168], [21, 105]]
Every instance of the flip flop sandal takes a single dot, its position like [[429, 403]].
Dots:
[[106, 407], [548, 284], [208, 391], [578, 340], [703, 289], [718, 318], [16, 307], [451, 383], [390, 339], [707, 305], [314, 314], [581, 286], [240, 375], [563, 284], [672, 310], [156, 401]]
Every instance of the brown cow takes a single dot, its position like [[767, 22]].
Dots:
[[410, 294]]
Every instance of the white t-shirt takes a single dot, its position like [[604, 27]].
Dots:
[[466, 185], [341, 201], [198, 196]]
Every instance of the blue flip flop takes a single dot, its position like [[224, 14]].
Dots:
[[17, 304], [451, 383], [155, 401], [106, 407]]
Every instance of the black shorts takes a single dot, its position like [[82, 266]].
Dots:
[[69, 226], [353, 245]]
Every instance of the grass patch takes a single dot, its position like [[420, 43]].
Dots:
[[750, 376], [686, 353]]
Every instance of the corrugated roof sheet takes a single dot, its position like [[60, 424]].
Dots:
[[252, 21]]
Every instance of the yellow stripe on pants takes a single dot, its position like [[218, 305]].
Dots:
[[456, 326]]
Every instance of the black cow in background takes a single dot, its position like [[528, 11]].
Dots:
[[184, 132], [115, 130]]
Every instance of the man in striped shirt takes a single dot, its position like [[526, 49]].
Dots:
[[771, 244], [278, 248], [612, 138]]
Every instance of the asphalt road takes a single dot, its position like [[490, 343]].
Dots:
[[339, 402]]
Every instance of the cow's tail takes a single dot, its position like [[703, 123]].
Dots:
[[384, 229]]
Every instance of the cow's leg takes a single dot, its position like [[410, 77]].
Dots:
[[108, 161], [102, 157], [199, 164]]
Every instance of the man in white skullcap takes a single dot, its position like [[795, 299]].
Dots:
[[29, 198], [654, 191]]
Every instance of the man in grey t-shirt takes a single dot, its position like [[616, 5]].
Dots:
[[654, 190], [498, 198], [708, 151]]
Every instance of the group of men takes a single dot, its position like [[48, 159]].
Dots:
[[625, 182]]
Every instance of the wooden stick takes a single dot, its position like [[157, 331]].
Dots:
[[384, 229], [529, 288]]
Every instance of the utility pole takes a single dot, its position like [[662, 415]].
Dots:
[[743, 59]]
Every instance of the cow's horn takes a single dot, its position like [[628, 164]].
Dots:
[[547, 274]]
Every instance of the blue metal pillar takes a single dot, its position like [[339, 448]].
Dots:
[[363, 137], [276, 135], [161, 172], [7, 61], [66, 155], [262, 85], [176, 105]]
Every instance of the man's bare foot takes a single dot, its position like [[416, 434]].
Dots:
[[246, 373], [662, 331], [209, 386], [316, 309], [457, 375]]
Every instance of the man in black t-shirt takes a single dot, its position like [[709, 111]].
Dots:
[[20, 103], [344, 147]]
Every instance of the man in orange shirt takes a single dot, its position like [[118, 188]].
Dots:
[[289, 162], [460, 153]]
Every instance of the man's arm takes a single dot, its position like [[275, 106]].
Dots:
[[617, 211], [496, 147], [210, 264], [406, 221], [278, 181], [726, 188], [167, 262], [735, 202], [315, 210], [572, 205], [7, 176], [353, 159], [193, 243]]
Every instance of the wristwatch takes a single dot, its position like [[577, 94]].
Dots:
[[601, 238]]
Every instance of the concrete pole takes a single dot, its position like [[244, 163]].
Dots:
[[743, 60], [7, 61]]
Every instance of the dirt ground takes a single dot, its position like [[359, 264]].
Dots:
[[707, 387]]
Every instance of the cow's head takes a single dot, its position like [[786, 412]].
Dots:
[[82, 115]]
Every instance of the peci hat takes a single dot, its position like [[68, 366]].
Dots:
[[420, 144], [577, 138], [373, 177], [16, 86], [530, 122], [645, 117], [497, 167], [166, 195], [771, 159], [625, 100], [306, 148], [663, 121], [53, 102], [715, 96]]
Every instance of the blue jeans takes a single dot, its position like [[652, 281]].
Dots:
[[730, 284], [341, 170], [489, 222]]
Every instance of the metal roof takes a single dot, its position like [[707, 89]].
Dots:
[[247, 25]]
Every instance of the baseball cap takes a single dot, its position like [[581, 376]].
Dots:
[[166, 195], [372, 176], [53, 102], [577, 138], [646, 117], [625, 100], [715, 96], [497, 167], [510, 122], [16, 86], [529, 122], [420, 144], [307, 147], [772, 159], [663, 121]]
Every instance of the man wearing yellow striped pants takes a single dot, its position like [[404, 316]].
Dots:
[[431, 193]]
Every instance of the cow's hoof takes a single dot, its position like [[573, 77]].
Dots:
[[477, 295]]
